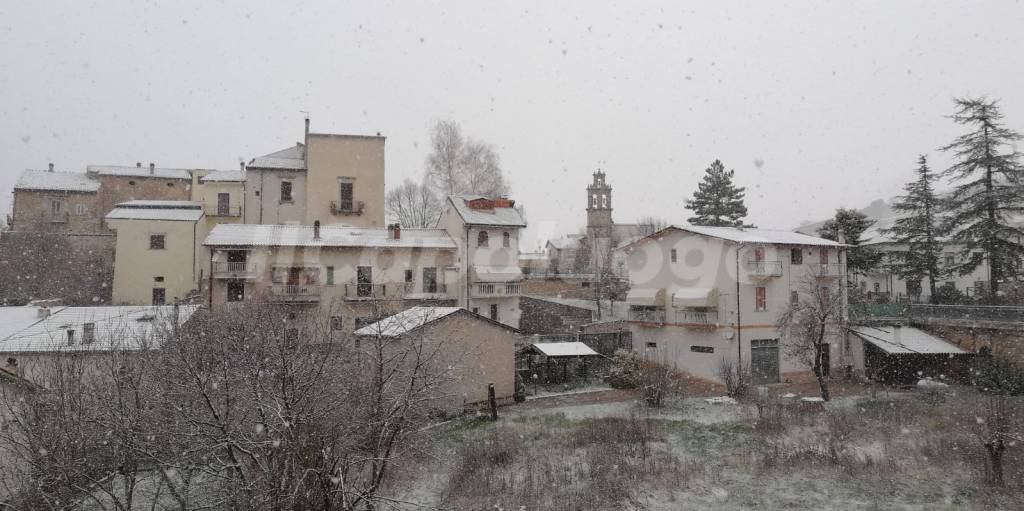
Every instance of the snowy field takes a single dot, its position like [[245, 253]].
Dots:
[[915, 450]]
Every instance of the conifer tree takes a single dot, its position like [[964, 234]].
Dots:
[[717, 202], [852, 224], [989, 189], [918, 229]]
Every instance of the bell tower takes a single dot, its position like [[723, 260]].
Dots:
[[599, 208]]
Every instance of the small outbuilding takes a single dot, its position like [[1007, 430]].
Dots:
[[551, 361], [903, 354]]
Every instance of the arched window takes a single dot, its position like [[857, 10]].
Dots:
[[481, 239], [506, 240]]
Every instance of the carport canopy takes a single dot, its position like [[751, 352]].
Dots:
[[905, 340], [564, 349], [646, 297], [694, 297]]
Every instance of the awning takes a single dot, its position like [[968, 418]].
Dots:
[[695, 297], [651, 297], [905, 340], [497, 273], [564, 349]]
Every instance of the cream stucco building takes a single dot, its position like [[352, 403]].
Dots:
[[699, 295]]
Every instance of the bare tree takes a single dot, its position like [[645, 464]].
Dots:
[[808, 324], [458, 165], [412, 205], [650, 224]]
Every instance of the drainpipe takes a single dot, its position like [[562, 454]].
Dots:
[[466, 275], [739, 323], [210, 298]]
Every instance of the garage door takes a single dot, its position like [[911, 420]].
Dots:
[[764, 361]]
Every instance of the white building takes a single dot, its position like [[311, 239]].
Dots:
[[486, 275], [699, 295]]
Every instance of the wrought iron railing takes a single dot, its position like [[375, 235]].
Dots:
[[697, 317], [765, 268], [295, 293], [647, 315]]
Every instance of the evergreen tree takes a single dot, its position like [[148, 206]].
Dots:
[[717, 202], [990, 188], [852, 224], [918, 229]]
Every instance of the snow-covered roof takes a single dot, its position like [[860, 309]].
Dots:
[[180, 211], [136, 171], [15, 319], [497, 273], [902, 340], [695, 297], [56, 181], [532, 256], [570, 241], [564, 349], [406, 321], [505, 217], [254, 235], [291, 158], [115, 327], [745, 235], [223, 176]]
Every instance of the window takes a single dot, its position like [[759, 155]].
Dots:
[[585, 284], [950, 260], [494, 311], [223, 204], [56, 207], [364, 281], [132, 183], [826, 297], [347, 192], [506, 240], [80, 209], [159, 296], [794, 297], [760, 301], [286, 191], [652, 345], [702, 349], [796, 256], [877, 287], [170, 185], [476, 310], [158, 279], [481, 239], [337, 323], [672, 255], [236, 291], [157, 242], [71, 336], [823, 256], [759, 254], [429, 280], [408, 276], [330, 276], [88, 332]]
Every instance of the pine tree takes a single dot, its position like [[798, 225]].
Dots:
[[990, 188], [918, 229], [717, 202], [852, 224]]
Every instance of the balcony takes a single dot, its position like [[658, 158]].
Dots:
[[366, 291], [429, 291], [697, 317], [495, 289], [294, 293], [224, 211], [647, 315], [234, 270], [347, 208], [826, 270], [764, 269]]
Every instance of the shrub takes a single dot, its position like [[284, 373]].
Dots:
[[625, 370]]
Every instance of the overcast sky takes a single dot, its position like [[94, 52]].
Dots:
[[815, 106]]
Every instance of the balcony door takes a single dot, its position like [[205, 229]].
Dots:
[[294, 277], [223, 204], [429, 280], [364, 281]]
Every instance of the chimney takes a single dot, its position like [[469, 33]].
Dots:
[[152, 168], [395, 231], [51, 168], [241, 165], [43, 312], [316, 230], [138, 164], [12, 366], [897, 333]]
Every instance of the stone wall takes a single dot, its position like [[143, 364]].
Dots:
[[77, 268]]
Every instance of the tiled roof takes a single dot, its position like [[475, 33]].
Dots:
[[508, 217], [287, 159], [223, 176], [256, 235], [118, 327], [133, 171], [56, 181], [406, 321]]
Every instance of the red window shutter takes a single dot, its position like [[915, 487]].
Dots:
[[824, 256], [760, 299], [759, 254]]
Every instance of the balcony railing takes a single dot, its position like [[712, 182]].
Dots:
[[234, 270], [294, 293], [646, 315], [347, 208], [765, 268], [227, 211], [366, 291], [496, 289], [826, 269], [697, 317], [428, 289]]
